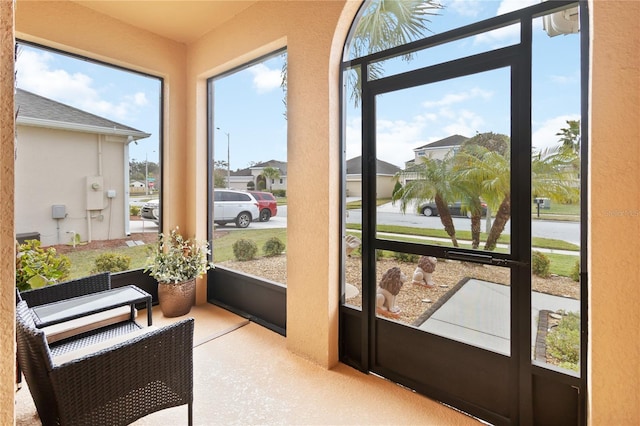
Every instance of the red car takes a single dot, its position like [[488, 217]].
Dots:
[[267, 205]]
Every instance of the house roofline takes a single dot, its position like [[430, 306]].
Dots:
[[74, 127]]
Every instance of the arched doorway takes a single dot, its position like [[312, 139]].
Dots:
[[467, 331]]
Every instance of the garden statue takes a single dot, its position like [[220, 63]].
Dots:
[[422, 274], [388, 289]]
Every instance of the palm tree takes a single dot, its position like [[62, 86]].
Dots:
[[491, 171], [271, 173], [555, 174], [431, 180]]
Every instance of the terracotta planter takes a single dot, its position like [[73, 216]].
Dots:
[[177, 299]]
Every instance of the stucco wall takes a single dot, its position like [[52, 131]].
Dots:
[[7, 233], [614, 225], [313, 46], [51, 168]]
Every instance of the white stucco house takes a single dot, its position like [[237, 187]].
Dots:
[[385, 178], [436, 150], [240, 178], [71, 172]]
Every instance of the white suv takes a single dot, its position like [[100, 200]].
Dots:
[[234, 206]]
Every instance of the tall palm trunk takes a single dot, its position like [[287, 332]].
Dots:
[[475, 230], [502, 217], [445, 218]]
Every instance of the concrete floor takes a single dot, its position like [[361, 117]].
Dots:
[[244, 375]]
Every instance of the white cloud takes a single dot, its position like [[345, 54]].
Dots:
[[264, 78], [455, 98], [544, 134], [36, 74], [464, 7]]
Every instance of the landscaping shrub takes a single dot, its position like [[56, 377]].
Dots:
[[279, 192], [563, 341], [111, 262], [37, 267], [134, 210], [540, 264], [406, 257], [245, 249], [273, 247], [575, 272]]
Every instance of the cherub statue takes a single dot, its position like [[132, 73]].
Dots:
[[422, 274], [388, 289]]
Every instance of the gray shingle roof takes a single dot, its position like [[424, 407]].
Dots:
[[30, 105], [454, 140], [354, 167], [281, 165]]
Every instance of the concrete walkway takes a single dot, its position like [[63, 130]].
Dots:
[[479, 314]]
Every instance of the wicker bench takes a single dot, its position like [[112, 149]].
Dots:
[[108, 376]]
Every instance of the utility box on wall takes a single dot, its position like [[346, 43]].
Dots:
[[95, 192], [58, 211]]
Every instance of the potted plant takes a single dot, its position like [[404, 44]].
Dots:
[[176, 263]]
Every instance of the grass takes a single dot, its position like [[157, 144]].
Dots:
[[82, 261], [223, 246]]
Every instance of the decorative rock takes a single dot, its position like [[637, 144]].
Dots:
[[443, 286], [426, 300]]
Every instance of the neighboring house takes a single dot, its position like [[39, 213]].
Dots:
[[437, 150], [240, 178], [71, 172], [137, 187], [385, 178]]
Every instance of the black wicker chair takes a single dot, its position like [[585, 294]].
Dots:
[[113, 386], [67, 289]]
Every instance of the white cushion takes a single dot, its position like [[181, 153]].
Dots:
[[91, 322]]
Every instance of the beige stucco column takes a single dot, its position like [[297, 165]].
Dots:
[[7, 234], [614, 225]]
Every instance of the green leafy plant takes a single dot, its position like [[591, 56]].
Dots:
[[174, 259], [111, 262], [134, 210], [37, 267], [575, 272], [563, 341], [273, 247], [244, 249], [540, 264], [406, 257]]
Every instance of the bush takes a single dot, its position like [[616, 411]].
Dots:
[[540, 264], [37, 267], [575, 272], [279, 192], [273, 247], [251, 186], [134, 210], [563, 341], [406, 257], [111, 262], [245, 249]]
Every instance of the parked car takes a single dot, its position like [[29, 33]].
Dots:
[[151, 211], [234, 206], [267, 204], [429, 209]]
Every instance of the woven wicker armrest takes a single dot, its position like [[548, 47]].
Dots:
[[67, 289], [129, 380]]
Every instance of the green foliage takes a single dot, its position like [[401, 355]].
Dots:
[[273, 247], [37, 267], [111, 262], [563, 341], [575, 272], [406, 257], [244, 249], [134, 210], [251, 186], [173, 259], [540, 264], [279, 192]]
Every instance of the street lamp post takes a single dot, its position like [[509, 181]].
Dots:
[[228, 158]]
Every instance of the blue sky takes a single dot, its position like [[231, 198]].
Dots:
[[249, 104]]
